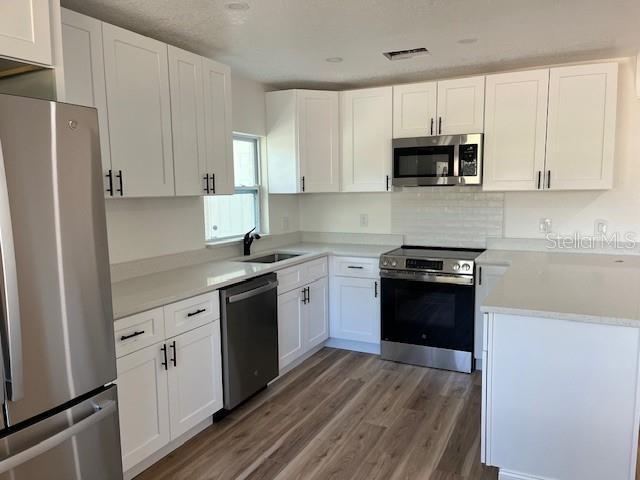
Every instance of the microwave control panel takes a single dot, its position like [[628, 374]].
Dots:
[[469, 160]]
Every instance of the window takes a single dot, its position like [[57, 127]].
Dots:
[[228, 216]]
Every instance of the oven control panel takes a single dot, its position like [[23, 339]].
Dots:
[[460, 267]]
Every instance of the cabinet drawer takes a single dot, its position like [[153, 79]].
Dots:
[[298, 275], [191, 313], [138, 331], [355, 267]]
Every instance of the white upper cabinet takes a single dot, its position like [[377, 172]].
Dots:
[[25, 31], [84, 71], [414, 110], [460, 106], [515, 130], [218, 130], [581, 127], [366, 125], [302, 141], [137, 81], [187, 122]]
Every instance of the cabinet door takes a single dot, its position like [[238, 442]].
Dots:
[[195, 377], [84, 71], [515, 130], [461, 106], [487, 277], [414, 110], [355, 309], [581, 127], [142, 404], [187, 121], [137, 78], [290, 327], [316, 322], [366, 125], [25, 31], [218, 133], [318, 137]]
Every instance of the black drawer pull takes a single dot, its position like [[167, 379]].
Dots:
[[355, 267], [134, 334], [197, 312], [175, 358], [165, 363]]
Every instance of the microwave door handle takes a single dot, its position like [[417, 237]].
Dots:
[[10, 309], [456, 161]]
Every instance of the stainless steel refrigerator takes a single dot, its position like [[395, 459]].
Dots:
[[59, 408]]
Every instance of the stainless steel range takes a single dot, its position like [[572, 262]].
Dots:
[[427, 303]]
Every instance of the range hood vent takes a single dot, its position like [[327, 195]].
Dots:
[[405, 54]]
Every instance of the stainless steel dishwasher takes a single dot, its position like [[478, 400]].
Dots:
[[249, 337]]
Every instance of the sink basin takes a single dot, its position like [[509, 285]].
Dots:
[[273, 258]]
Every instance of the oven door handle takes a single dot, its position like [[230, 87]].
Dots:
[[428, 277]]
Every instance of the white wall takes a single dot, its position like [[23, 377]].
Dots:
[[143, 228], [340, 212], [576, 211]]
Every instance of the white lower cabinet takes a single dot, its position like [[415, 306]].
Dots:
[[143, 404], [303, 312], [487, 276], [195, 377], [167, 389], [355, 312]]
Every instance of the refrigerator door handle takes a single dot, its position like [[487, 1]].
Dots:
[[10, 311], [101, 411]]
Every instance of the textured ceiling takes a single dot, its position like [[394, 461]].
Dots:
[[284, 43]]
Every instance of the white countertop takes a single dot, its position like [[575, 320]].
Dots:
[[592, 288], [150, 291]]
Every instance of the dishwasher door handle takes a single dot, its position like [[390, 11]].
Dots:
[[252, 293]]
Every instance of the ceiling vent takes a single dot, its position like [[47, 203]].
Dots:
[[404, 54]]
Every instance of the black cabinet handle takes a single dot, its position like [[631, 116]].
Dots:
[[165, 364], [206, 183], [303, 186], [479, 275], [539, 177], [387, 183], [440, 125], [375, 289], [549, 179], [355, 267], [308, 294], [304, 296], [213, 183], [174, 360], [110, 187], [121, 189], [197, 312], [431, 131], [134, 334]]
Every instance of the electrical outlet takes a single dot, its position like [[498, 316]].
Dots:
[[364, 220], [600, 227], [285, 223], [545, 225]]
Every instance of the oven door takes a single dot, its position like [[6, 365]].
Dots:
[[425, 165], [428, 322]]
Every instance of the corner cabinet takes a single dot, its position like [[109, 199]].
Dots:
[[302, 141], [551, 129], [367, 128], [25, 31], [169, 387], [139, 110]]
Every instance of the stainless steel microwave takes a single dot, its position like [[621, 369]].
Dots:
[[440, 160]]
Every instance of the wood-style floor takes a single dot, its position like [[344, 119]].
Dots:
[[344, 415]]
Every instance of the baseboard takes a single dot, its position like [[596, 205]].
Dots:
[[507, 475], [166, 450], [363, 347]]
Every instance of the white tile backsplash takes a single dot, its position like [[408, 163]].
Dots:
[[447, 216]]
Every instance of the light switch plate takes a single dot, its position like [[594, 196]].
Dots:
[[364, 220], [545, 225]]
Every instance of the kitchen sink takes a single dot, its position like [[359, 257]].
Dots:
[[273, 258]]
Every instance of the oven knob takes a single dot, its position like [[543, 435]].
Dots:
[[456, 267], [466, 267], [385, 263], [394, 263]]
